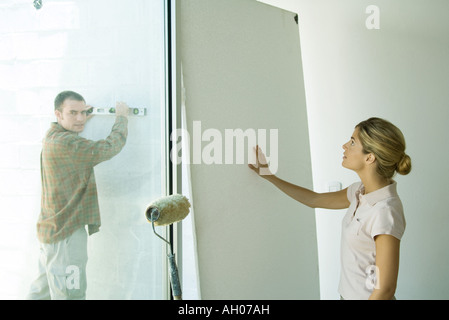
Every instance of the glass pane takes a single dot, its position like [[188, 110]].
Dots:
[[108, 51]]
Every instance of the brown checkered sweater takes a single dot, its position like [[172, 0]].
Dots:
[[69, 192]]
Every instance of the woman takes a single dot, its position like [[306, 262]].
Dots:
[[374, 223]]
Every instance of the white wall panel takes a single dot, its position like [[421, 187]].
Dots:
[[242, 70]]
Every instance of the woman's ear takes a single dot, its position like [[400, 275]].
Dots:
[[370, 158]]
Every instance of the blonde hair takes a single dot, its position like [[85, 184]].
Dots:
[[387, 143]]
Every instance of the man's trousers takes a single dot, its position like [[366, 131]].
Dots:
[[62, 269]]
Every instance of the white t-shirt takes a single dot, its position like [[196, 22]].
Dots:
[[376, 213]]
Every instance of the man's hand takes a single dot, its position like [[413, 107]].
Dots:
[[121, 109]]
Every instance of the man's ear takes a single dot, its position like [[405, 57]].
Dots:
[[58, 114]]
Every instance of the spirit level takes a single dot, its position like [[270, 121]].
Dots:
[[139, 112]]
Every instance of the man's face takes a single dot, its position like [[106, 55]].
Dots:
[[73, 115]]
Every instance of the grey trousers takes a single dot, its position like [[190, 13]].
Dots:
[[62, 269]]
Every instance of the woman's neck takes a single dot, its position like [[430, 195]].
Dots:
[[373, 182]]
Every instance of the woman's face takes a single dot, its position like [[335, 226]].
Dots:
[[354, 158]]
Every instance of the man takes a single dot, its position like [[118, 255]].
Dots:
[[69, 196]]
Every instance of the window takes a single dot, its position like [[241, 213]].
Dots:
[[107, 50]]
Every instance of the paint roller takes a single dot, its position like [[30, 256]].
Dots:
[[163, 212]]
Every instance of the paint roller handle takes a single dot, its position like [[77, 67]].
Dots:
[[174, 278]]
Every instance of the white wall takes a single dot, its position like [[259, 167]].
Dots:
[[398, 72]]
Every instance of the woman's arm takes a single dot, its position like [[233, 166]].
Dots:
[[387, 265], [330, 200]]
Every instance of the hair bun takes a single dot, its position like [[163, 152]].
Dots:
[[405, 165]]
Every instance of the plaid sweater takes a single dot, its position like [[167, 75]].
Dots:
[[69, 192]]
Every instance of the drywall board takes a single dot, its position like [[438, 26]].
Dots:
[[242, 69]]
